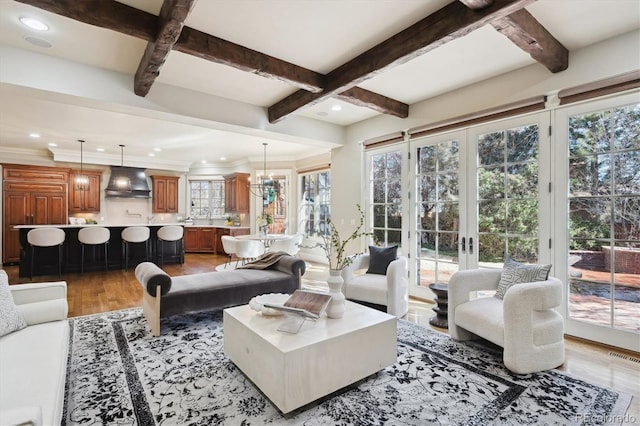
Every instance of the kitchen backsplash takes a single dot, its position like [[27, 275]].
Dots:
[[130, 210]]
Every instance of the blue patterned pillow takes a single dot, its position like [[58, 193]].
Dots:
[[517, 273], [10, 317]]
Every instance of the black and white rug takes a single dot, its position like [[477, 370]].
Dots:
[[118, 373]]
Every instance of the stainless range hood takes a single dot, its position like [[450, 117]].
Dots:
[[127, 182]]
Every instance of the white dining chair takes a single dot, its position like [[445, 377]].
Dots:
[[247, 250], [46, 237], [229, 244], [94, 236], [288, 244]]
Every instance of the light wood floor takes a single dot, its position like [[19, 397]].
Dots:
[[97, 292]]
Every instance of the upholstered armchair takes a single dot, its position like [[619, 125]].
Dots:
[[524, 322], [390, 290]]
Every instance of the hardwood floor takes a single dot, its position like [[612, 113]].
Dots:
[[95, 292]]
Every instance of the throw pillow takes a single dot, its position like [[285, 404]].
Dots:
[[10, 317], [380, 258], [517, 273]]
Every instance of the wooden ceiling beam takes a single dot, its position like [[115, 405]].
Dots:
[[365, 98], [214, 49], [531, 36], [451, 22], [107, 14], [170, 22], [477, 4]]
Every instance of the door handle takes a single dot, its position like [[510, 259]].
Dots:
[[464, 245], [471, 245]]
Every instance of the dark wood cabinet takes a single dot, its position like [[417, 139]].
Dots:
[[165, 194], [199, 239], [32, 196], [84, 199], [236, 193]]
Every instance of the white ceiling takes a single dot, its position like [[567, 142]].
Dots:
[[316, 34]]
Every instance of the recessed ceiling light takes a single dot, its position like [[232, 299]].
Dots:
[[52, 144], [40, 42], [336, 107], [100, 149], [34, 135], [223, 158], [34, 23], [151, 154], [157, 149], [204, 161]]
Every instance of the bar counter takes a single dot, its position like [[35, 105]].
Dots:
[[46, 260]]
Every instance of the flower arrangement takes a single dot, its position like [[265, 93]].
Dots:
[[264, 219], [334, 246]]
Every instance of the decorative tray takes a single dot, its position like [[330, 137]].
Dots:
[[257, 303]]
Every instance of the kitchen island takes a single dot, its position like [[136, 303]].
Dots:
[[46, 259]]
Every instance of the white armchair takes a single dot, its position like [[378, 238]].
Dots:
[[524, 323], [390, 290]]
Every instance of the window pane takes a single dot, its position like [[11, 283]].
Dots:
[[491, 182], [491, 148]]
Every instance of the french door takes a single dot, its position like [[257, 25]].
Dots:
[[481, 195], [598, 213]]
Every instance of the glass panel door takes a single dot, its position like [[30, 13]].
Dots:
[[507, 196], [437, 209], [602, 251]]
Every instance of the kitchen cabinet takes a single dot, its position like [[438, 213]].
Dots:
[[87, 199], [32, 196], [165, 194], [199, 239], [236, 193]]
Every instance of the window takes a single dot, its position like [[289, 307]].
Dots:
[[207, 198], [315, 203], [386, 197]]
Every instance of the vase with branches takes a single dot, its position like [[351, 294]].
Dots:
[[334, 247]]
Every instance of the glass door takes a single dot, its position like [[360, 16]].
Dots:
[[481, 195], [600, 251], [510, 191], [437, 210]]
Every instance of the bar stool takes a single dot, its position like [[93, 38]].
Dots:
[[94, 236], [46, 237], [134, 234], [171, 233]]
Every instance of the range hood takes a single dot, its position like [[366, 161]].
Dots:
[[127, 182]]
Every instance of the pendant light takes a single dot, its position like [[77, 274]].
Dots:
[[265, 184], [123, 182], [81, 181]]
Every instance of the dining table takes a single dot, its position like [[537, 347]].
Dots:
[[267, 239]]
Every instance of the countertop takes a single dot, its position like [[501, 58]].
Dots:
[[123, 225]]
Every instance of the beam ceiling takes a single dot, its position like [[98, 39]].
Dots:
[[457, 19]]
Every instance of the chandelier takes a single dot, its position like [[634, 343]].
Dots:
[[81, 180], [265, 187]]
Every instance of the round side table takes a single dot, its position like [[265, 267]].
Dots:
[[442, 302]]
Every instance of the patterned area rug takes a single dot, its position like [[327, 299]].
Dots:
[[119, 374]]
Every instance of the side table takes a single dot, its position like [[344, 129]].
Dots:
[[442, 302]]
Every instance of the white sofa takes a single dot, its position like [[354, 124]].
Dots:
[[390, 290], [33, 360], [524, 323]]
